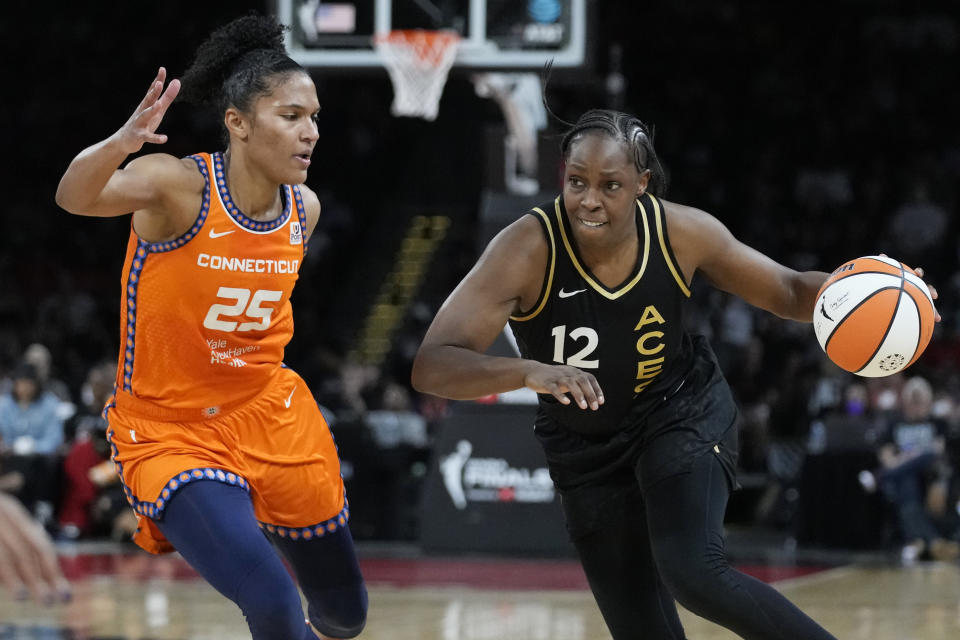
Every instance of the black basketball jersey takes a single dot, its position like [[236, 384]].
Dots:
[[630, 337]]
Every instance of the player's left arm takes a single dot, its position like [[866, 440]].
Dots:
[[311, 207], [703, 243]]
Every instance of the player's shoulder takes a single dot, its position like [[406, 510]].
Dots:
[[538, 222], [514, 261], [311, 206], [548, 207], [310, 200], [168, 169], [520, 247], [683, 212], [521, 235], [163, 162], [685, 220]]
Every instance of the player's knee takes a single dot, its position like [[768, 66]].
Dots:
[[271, 604], [695, 584], [338, 612], [274, 615], [694, 597]]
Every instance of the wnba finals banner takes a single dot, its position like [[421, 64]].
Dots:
[[488, 487]]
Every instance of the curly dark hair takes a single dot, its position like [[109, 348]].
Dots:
[[237, 63], [629, 131]]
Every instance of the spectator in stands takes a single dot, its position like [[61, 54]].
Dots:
[[394, 422], [29, 416], [31, 433], [93, 501], [913, 469], [40, 357], [396, 445]]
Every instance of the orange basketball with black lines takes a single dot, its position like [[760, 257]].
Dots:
[[874, 316]]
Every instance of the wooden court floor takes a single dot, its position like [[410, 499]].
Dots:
[[144, 597]]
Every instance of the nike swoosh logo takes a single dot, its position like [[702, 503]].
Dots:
[[214, 234], [286, 402], [567, 294]]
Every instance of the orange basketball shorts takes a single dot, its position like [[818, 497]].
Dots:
[[277, 446]]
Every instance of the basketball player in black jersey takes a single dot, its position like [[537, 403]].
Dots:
[[637, 421]]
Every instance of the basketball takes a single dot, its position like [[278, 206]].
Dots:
[[874, 316]]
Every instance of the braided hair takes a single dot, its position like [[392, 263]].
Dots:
[[630, 132], [238, 63]]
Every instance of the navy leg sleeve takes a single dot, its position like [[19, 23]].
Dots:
[[213, 527], [329, 576]]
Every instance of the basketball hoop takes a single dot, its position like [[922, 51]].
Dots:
[[418, 62]]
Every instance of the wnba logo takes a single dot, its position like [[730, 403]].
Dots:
[[468, 479], [544, 10]]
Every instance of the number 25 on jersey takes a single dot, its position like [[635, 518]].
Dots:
[[220, 317]]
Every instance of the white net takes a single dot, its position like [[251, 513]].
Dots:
[[418, 62]]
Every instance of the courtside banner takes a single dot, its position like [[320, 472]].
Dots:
[[488, 488]]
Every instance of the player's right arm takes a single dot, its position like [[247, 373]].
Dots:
[[95, 185], [451, 361]]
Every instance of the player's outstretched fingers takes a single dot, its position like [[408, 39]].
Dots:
[[582, 392], [933, 291], [589, 390], [564, 382], [576, 390], [165, 100], [597, 391], [141, 127], [584, 389], [558, 391], [155, 88]]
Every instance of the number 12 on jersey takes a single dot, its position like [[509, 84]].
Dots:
[[578, 359]]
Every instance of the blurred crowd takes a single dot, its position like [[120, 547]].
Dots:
[[54, 453], [815, 142]]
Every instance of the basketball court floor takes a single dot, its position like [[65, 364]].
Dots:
[[121, 593]]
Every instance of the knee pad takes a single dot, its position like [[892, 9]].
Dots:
[[339, 612]]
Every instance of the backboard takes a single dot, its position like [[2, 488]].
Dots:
[[497, 34]]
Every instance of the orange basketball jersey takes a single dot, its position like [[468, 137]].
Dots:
[[205, 317]]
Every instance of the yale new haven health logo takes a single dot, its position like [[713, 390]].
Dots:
[[468, 479]]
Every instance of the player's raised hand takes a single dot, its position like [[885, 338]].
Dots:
[[560, 380], [142, 125]]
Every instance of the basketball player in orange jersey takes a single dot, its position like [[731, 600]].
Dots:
[[221, 447], [637, 421]]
